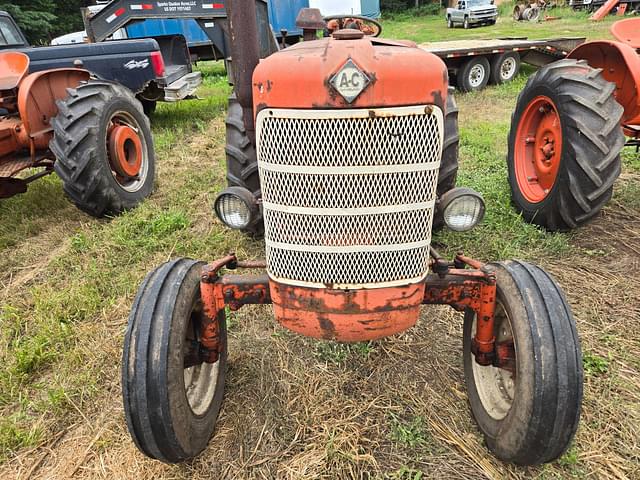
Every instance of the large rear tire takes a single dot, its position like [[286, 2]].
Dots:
[[170, 410], [103, 147], [564, 145], [242, 159], [528, 415]]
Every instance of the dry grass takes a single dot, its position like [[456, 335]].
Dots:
[[300, 409]]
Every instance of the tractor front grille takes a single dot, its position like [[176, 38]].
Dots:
[[348, 195]]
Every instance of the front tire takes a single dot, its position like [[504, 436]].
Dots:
[[530, 416], [466, 24], [564, 145], [449, 23], [85, 146], [170, 410], [474, 74]]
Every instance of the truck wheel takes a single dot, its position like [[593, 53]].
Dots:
[[528, 414], [504, 67], [474, 74], [242, 160], [148, 106], [465, 24], [170, 410], [564, 145], [449, 22], [103, 148]]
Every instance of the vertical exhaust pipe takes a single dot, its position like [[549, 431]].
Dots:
[[245, 54]]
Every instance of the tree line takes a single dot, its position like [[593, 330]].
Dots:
[[42, 20]]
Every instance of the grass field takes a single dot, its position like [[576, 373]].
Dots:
[[296, 408]]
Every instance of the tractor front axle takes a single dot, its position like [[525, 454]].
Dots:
[[463, 288]]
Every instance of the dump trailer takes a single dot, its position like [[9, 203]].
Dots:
[[473, 64], [348, 136]]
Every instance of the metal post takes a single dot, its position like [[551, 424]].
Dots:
[[245, 54]]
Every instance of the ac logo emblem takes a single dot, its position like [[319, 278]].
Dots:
[[350, 81]]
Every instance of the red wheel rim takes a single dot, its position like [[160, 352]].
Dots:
[[125, 151], [538, 149]]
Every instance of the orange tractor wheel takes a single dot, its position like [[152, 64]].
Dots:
[[103, 147], [564, 145]]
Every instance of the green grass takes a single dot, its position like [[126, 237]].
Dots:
[[427, 28]]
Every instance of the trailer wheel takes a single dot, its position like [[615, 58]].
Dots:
[[170, 410], [564, 145], [103, 148], [242, 160], [504, 67], [528, 414], [474, 74]]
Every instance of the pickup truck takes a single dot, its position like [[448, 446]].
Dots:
[[472, 12], [157, 69]]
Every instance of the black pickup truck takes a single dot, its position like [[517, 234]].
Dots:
[[154, 69]]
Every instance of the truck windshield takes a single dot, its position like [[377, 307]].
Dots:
[[9, 35], [477, 3]]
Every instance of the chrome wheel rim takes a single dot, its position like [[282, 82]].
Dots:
[[508, 68], [476, 75]]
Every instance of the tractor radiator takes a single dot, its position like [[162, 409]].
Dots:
[[348, 195]]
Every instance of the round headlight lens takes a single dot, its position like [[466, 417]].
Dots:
[[233, 211], [464, 212]]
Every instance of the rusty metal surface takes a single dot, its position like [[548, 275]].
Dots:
[[346, 315], [245, 51], [400, 75], [620, 64], [13, 67]]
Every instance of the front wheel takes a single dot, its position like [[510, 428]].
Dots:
[[564, 145], [466, 24], [449, 23], [103, 147], [171, 401], [528, 413]]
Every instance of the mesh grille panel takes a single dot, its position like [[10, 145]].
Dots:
[[348, 194]]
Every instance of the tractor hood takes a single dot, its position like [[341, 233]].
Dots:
[[348, 70]]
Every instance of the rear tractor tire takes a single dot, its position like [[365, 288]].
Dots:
[[103, 147], [170, 408], [528, 414], [242, 159], [564, 145]]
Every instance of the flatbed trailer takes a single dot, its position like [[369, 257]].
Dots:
[[474, 63]]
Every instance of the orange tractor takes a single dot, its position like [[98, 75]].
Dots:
[[349, 134], [569, 128], [92, 132]]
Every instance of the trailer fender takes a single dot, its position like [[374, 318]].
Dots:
[[37, 98], [620, 64]]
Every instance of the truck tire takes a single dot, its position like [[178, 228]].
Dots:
[[103, 147], [171, 410], [529, 411], [568, 109], [449, 22], [242, 160], [466, 24], [504, 67], [474, 74]]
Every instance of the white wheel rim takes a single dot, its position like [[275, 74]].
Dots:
[[200, 385], [495, 386], [476, 75], [508, 68], [200, 381]]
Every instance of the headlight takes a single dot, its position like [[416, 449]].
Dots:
[[461, 209], [236, 207]]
